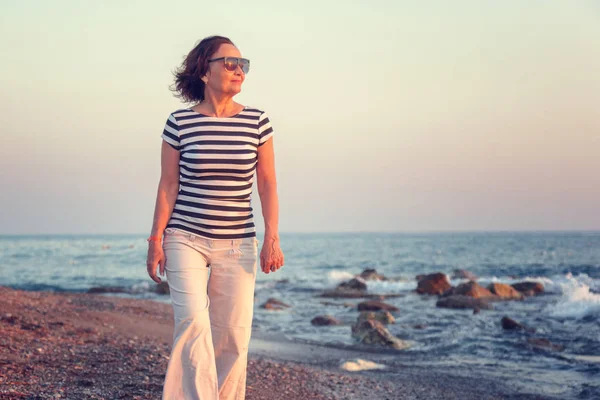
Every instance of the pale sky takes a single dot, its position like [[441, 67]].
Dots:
[[388, 115]]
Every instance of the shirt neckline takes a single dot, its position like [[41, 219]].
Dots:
[[208, 116]]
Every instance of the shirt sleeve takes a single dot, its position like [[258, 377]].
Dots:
[[265, 130], [171, 132]]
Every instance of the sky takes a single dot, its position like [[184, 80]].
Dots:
[[388, 115]]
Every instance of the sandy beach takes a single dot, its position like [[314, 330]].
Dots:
[[88, 346]]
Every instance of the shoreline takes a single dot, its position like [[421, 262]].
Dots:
[[91, 346]]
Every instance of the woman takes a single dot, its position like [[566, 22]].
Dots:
[[209, 155]]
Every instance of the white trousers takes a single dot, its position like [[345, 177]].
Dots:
[[212, 315]]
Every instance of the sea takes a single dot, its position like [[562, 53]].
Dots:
[[567, 314]]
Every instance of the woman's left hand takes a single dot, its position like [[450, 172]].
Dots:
[[271, 256]]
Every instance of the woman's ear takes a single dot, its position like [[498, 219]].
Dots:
[[205, 77]]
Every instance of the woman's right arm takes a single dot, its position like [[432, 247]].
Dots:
[[168, 187]]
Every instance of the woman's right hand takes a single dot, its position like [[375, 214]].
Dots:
[[156, 256]]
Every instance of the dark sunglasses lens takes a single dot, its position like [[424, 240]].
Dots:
[[245, 64], [230, 64]]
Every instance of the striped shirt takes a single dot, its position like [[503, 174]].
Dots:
[[218, 157]]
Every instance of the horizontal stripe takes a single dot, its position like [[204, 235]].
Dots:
[[219, 170], [220, 151], [230, 218], [213, 207], [222, 227], [230, 162], [216, 197], [216, 135], [227, 178], [192, 123], [218, 187], [204, 142], [210, 234]]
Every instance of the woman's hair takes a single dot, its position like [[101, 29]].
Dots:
[[188, 86]]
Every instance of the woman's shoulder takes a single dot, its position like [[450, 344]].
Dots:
[[253, 109], [255, 112]]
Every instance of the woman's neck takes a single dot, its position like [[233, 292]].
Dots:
[[216, 106]]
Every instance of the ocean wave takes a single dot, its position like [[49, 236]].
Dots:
[[577, 301], [391, 286], [337, 276]]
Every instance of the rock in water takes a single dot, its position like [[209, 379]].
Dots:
[[373, 332], [433, 284], [274, 304], [510, 324], [353, 284], [385, 317], [374, 305], [504, 291], [162, 288], [529, 288], [371, 274], [545, 344], [461, 302], [471, 289], [463, 274], [322, 320]]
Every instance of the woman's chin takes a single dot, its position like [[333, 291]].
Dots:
[[235, 88]]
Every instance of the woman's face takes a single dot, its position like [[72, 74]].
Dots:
[[220, 80]]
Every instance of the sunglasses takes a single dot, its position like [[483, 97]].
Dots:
[[231, 63]]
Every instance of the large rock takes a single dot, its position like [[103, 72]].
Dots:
[[433, 284], [374, 305], [504, 291], [471, 289], [529, 288], [322, 320], [463, 274], [461, 302], [274, 304], [371, 274], [353, 284], [385, 317], [374, 333]]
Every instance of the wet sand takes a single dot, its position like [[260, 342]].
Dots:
[[89, 346]]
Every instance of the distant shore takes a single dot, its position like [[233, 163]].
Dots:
[[88, 346]]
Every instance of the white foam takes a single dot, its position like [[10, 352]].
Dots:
[[360, 365], [577, 300], [141, 287], [391, 286], [337, 276], [262, 285]]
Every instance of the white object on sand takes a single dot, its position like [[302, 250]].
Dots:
[[360, 365]]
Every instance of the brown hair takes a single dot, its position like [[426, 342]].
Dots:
[[188, 86]]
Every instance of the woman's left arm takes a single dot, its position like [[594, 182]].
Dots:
[[271, 256]]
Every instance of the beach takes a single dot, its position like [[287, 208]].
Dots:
[[90, 346]]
